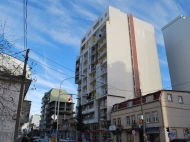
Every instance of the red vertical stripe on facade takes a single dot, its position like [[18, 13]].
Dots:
[[134, 56]]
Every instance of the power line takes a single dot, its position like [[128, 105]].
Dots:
[[53, 61], [50, 68]]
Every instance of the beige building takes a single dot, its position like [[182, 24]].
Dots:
[[162, 109], [117, 54]]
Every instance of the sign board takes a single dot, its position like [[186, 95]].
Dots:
[[53, 117], [112, 128], [52, 132], [170, 134], [133, 132]]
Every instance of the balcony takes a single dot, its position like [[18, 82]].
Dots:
[[103, 117], [102, 54], [119, 127], [93, 60], [103, 37], [102, 45], [93, 51], [93, 69], [104, 71], [79, 87], [93, 80], [103, 106], [88, 110]]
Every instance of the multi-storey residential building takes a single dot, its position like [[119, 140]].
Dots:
[[162, 109], [48, 109], [176, 38], [35, 119], [118, 56]]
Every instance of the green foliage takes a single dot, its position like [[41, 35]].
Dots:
[[79, 124]]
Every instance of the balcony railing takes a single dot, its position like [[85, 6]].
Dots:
[[102, 53], [101, 44]]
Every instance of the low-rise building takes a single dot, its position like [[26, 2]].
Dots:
[[162, 109]]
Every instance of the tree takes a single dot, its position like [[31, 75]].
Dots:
[[79, 118]]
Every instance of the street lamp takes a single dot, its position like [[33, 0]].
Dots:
[[58, 100]]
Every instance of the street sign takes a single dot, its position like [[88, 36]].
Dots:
[[53, 116], [133, 132], [170, 134], [52, 132]]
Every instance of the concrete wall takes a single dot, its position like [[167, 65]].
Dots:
[[10, 97], [176, 38], [119, 67], [147, 56]]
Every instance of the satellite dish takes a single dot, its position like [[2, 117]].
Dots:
[[54, 117]]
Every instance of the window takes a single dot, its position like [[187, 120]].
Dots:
[[133, 118], [114, 122], [116, 107], [169, 97], [155, 116], [148, 117], [180, 100], [129, 104], [128, 120], [149, 98], [119, 121]]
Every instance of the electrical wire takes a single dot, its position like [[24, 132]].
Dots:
[[52, 60]]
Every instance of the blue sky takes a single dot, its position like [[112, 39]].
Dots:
[[56, 27]]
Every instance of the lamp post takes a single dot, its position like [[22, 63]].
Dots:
[[58, 101]]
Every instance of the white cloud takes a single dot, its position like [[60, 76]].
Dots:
[[163, 62]]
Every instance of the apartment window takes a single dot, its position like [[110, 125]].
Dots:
[[128, 120], [155, 116], [119, 121], [148, 117], [114, 122], [169, 97], [180, 100], [133, 118], [116, 107], [149, 98], [129, 104]]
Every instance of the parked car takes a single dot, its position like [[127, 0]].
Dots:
[[180, 140], [62, 140], [35, 139]]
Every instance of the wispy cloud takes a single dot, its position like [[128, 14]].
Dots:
[[163, 62]]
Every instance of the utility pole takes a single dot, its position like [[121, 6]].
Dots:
[[20, 98], [144, 121]]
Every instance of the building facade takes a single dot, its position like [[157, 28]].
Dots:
[[35, 119], [48, 109], [117, 54], [11, 79], [176, 38], [162, 109]]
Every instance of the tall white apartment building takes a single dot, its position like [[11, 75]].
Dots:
[[177, 43], [118, 57]]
